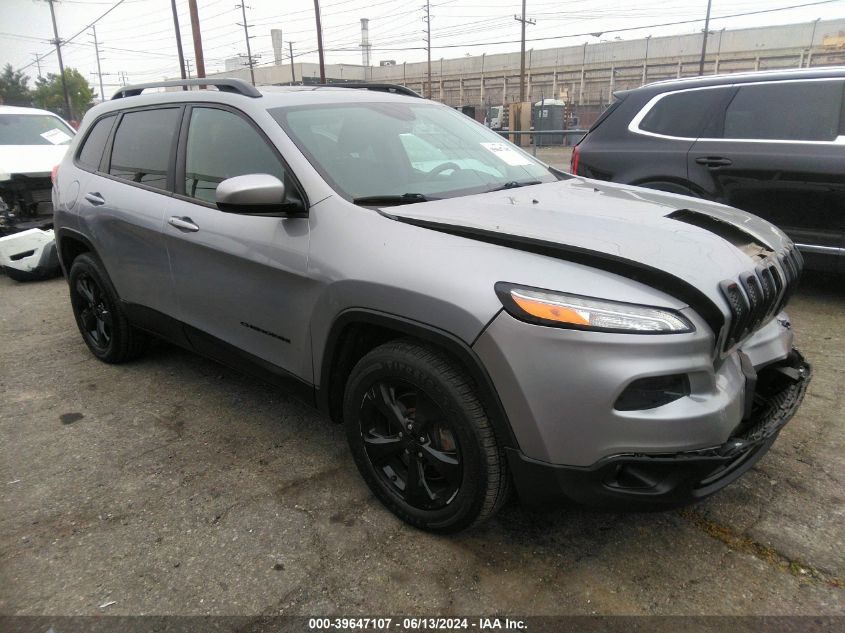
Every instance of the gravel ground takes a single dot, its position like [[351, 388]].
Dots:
[[172, 485]]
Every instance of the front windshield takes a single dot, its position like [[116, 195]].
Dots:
[[33, 129], [385, 149]]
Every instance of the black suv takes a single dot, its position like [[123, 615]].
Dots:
[[772, 143]]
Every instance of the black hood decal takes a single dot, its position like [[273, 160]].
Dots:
[[630, 269]]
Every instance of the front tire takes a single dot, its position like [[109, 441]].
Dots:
[[421, 438], [99, 314]]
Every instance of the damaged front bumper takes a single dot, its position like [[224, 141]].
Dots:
[[26, 203], [640, 481], [29, 255]]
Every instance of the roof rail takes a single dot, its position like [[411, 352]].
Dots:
[[392, 88], [236, 86]]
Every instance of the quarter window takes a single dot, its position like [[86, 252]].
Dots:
[[141, 150], [92, 150], [791, 111], [683, 114], [223, 145]]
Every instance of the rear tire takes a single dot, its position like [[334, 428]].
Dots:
[[99, 314], [421, 438]]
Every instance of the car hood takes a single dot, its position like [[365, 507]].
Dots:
[[679, 244], [29, 160]]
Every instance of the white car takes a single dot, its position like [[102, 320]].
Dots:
[[32, 142]]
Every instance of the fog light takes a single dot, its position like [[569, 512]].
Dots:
[[655, 391]]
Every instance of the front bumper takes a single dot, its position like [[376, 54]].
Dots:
[[29, 254], [643, 481]]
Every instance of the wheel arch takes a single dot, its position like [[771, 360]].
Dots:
[[69, 245], [356, 331]]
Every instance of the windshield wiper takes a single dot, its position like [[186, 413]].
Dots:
[[387, 200], [513, 184]]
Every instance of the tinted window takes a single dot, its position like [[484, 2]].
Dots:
[[92, 150], [804, 110], [222, 145], [607, 112], [684, 113], [141, 150]]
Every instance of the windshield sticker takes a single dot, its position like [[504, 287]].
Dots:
[[507, 154], [55, 136]]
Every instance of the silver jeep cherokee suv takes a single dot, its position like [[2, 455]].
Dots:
[[474, 317]]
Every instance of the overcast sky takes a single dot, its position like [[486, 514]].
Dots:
[[137, 37]]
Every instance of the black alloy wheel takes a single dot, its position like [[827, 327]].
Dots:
[[95, 318], [421, 438], [410, 444], [99, 313]]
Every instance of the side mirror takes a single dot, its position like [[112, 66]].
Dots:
[[255, 194]]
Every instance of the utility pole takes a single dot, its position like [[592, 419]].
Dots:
[[320, 41], [249, 60], [195, 29], [812, 39], [178, 41], [292, 69], [38, 64], [428, 45], [188, 69], [704, 39], [99, 70], [58, 43], [524, 21]]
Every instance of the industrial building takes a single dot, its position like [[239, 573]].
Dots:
[[584, 75]]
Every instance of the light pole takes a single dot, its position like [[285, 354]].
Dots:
[[645, 61], [704, 39], [179, 50]]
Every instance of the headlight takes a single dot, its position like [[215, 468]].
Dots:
[[587, 313]]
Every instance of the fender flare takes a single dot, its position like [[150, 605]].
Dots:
[[61, 235], [451, 344]]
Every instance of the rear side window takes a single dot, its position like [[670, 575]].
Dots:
[[223, 145], [791, 111], [141, 149], [92, 148], [607, 112], [684, 113]]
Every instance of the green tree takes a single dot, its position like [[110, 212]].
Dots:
[[48, 93], [13, 87]]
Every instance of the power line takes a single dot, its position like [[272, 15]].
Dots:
[[619, 30], [77, 34]]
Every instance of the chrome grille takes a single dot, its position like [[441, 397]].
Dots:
[[761, 293]]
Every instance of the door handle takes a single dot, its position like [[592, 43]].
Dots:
[[184, 224], [714, 162], [95, 198]]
